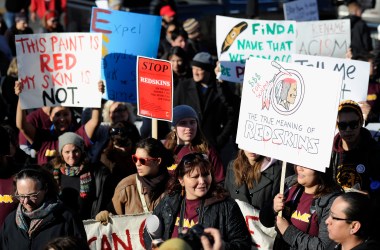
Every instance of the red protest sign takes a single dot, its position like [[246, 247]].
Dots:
[[154, 88]]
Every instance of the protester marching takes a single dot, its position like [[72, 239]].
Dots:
[[136, 134]]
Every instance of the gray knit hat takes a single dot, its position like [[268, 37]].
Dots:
[[70, 138], [183, 111], [203, 60]]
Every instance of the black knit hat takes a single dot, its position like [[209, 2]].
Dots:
[[349, 105], [204, 61]]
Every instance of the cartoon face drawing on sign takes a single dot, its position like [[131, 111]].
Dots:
[[287, 89], [286, 93]]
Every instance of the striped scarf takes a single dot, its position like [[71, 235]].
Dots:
[[36, 216], [81, 171]]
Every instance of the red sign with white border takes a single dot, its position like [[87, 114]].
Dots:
[[154, 88]]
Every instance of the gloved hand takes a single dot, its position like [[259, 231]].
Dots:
[[103, 217]]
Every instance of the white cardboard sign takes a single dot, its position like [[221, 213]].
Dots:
[[288, 112], [355, 74]]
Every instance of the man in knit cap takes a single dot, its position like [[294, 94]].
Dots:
[[208, 99]]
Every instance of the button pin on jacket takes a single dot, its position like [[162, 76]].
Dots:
[[237, 191]]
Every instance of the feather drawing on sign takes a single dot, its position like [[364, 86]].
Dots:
[[232, 35]]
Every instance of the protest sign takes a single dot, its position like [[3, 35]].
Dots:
[[126, 35], [59, 69], [288, 112], [154, 88], [123, 232], [238, 39], [324, 38], [301, 10], [355, 74], [262, 237]]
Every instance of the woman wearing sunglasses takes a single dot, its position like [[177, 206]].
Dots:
[[305, 206], [117, 156], [195, 198], [141, 192], [39, 216], [84, 187], [186, 137], [350, 222]]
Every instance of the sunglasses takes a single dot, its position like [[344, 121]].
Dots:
[[351, 124], [143, 161], [31, 197], [118, 131], [189, 158]]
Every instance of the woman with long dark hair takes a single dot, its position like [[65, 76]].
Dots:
[[141, 192], [253, 178], [195, 198], [305, 206]]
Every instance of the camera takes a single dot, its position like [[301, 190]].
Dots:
[[193, 236]]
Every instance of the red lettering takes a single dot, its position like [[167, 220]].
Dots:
[[22, 43], [248, 218], [89, 242], [53, 39], [141, 233], [46, 79], [95, 20], [71, 61], [116, 241], [105, 245], [57, 61], [44, 60]]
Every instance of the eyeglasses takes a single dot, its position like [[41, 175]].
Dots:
[[189, 158], [351, 124], [31, 197], [118, 131], [143, 161], [337, 218]]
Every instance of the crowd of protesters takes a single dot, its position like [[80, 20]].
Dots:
[[61, 165]]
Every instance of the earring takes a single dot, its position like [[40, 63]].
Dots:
[[183, 191]]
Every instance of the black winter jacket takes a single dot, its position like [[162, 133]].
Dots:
[[295, 238], [60, 222], [262, 192], [223, 214]]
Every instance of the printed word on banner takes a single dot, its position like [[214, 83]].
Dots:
[[288, 112], [301, 10], [324, 38], [59, 69], [126, 35], [355, 74], [237, 39], [123, 232], [262, 237], [154, 88]]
